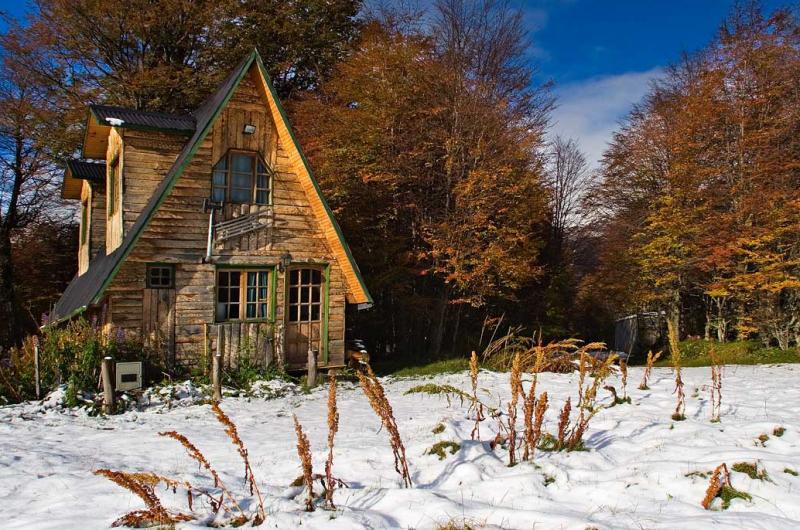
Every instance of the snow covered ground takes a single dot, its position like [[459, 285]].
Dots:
[[634, 474]]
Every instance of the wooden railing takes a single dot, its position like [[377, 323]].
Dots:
[[251, 342]]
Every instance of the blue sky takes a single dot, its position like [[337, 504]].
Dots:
[[602, 55]]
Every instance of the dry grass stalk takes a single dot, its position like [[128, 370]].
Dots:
[[675, 355], [587, 398], [233, 434], [716, 386], [304, 452], [333, 427], [719, 479], [563, 422], [623, 368], [376, 396], [516, 390], [536, 434], [651, 360], [530, 404], [558, 356], [141, 485], [473, 375], [196, 455]]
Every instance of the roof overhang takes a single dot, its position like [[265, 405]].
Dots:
[[102, 118], [76, 172]]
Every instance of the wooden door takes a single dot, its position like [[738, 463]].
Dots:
[[303, 315], [158, 322]]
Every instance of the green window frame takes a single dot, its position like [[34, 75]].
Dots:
[[245, 294], [242, 177], [114, 187]]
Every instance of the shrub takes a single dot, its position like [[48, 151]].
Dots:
[[70, 354]]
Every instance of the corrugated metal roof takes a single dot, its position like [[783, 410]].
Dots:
[[92, 171], [122, 117]]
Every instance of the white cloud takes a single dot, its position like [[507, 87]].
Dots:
[[590, 110]]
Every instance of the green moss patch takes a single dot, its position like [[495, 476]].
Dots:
[[751, 470], [440, 449]]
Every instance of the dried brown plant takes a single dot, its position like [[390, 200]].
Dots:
[[196, 455], [675, 355], [623, 368], [563, 422], [651, 360], [233, 434], [516, 390], [558, 356], [333, 427], [530, 404], [142, 485], [476, 404], [716, 386], [720, 478], [376, 396], [536, 435], [304, 452]]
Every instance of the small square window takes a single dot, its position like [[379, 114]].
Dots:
[[160, 276]]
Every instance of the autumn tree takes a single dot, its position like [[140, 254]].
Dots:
[[28, 177], [168, 55], [427, 143], [699, 185]]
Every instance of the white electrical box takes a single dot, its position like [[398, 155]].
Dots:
[[129, 376]]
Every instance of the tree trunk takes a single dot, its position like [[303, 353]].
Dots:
[[10, 328], [438, 332]]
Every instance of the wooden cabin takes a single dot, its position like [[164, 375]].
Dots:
[[208, 232]]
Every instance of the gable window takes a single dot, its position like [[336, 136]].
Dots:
[[114, 190], [243, 294], [160, 276], [241, 177]]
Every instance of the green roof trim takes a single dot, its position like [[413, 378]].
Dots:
[[88, 289], [328, 210]]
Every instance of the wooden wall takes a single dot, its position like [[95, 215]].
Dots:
[[177, 232], [114, 233], [148, 157], [83, 247], [97, 217]]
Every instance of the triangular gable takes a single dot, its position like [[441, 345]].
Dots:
[[88, 289], [322, 212]]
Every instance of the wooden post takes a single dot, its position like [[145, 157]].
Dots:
[[216, 365], [216, 382], [206, 348], [36, 368], [311, 380], [108, 386]]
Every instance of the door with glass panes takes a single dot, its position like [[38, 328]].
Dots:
[[303, 314]]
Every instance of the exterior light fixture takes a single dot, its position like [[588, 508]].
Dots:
[[249, 129], [286, 260]]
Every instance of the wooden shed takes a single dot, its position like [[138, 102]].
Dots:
[[210, 227]]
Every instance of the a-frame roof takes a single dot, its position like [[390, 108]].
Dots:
[[89, 288]]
